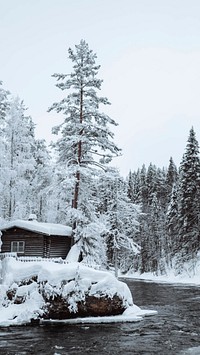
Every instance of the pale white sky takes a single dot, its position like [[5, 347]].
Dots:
[[149, 52]]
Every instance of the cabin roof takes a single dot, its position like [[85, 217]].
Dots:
[[40, 227]]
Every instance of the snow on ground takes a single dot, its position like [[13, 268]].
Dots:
[[52, 274], [190, 275], [169, 278]]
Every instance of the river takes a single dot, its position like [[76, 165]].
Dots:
[[174, 330]]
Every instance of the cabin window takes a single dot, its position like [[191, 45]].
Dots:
[[17, 247]]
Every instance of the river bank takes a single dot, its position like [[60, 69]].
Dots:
[[170, 277]]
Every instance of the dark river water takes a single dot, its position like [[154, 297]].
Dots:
[[174, 330]]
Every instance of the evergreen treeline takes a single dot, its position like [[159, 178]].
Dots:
[[148, 222], [170, 200]]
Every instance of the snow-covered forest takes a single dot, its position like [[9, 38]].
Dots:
[[147, 222]]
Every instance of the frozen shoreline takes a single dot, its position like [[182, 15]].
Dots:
[[139, 314], [169, 279]]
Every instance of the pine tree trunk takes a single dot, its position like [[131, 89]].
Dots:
[[10, 209], [79, 155]]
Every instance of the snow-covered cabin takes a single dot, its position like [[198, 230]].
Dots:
[[32, 238]]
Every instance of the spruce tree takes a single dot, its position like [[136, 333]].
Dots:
[[172, 173], [189, 200], [161, 188], [172, 226], [143, 189], [133, 186], [171, 177], [130, 186], [151, 181]]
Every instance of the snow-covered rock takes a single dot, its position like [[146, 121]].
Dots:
[[35, 290]]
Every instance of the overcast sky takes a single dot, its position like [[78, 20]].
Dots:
[[149, 52]]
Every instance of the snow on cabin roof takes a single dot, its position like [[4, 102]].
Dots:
[[40, 227]]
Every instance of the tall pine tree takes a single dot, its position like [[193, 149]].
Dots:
[[85, 142]]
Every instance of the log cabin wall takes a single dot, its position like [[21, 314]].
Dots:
[[46, 247], [36, 244], [33, 241], [60, 246]]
